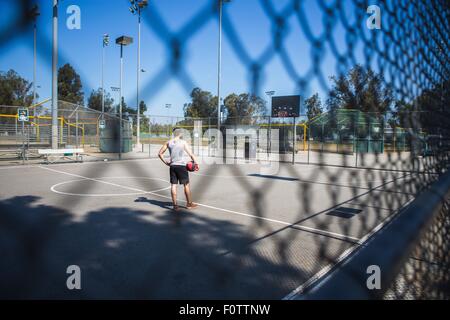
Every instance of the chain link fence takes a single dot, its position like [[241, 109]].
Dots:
[[391, 165]]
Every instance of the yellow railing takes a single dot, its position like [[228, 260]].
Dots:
[[62, 122]]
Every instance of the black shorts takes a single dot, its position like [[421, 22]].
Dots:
[[179, 174]]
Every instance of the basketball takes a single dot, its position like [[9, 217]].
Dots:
[[192, 166]]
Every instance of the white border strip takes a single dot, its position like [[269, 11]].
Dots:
[[343, 256]]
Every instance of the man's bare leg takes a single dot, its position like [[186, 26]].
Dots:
[[173, 191], [187, 193]]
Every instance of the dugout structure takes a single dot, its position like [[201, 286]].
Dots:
[[347, 131]]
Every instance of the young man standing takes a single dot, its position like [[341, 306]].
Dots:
[[178, 171]]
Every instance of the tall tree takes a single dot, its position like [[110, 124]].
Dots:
[[69, 85], [203, 104], [313, 106], [95, 100], [142, 107], [145, 122], [244, 108], [433, 109], [125, 109], [14, 91], [428, 112], [360, 89]]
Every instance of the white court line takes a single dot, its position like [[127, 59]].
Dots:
[[296, 179], [297, 226], [18, 167], [53, 188], [300, 289], [37, 165]]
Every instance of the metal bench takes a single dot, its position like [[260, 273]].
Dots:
[[51, 155]]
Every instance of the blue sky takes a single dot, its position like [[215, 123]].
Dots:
[[162, 20]]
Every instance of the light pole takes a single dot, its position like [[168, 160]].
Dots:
[[270, 94], [55, 77], [122, 41], [136, 7], [116, 89], [219, 65], [168, 106], [169, 122], [34, 14], [105, 44]]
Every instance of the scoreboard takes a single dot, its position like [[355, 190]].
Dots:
[[285, 107]]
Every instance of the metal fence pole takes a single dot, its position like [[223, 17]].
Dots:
[[76, 129], [294, 140], [23, 142], [309, 142]]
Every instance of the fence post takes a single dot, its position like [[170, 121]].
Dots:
[[23, 142], [294, 141], [61, 124], [76, 127], [150, 137], [309, 142]]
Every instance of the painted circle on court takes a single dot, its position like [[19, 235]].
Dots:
[[98, 180]]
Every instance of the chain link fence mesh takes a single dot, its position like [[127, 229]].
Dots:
[[410, 51]]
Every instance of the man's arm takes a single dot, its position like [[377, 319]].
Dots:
[[161, 153], [189, 152]]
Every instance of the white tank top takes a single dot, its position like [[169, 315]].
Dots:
[[177, 153]]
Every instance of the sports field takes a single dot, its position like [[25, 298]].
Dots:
[[254, 235]]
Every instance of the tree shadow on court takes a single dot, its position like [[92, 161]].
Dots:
[[134, 254]]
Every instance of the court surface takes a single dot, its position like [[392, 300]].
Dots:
[[255, 235]]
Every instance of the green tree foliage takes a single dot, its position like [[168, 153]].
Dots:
[[142, 107], [203, 104], [14, 91], [69, 85], [95, 100], [360, 89], [313, 106], [145, 123], [428, 111], [244, 108], [125, 109]]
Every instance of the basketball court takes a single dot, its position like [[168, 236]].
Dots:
[[255, 235]]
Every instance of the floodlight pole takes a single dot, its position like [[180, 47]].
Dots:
[[122, 41], [54, 139], [138, 127], [34, 65], [219, 66], [105, 38], [120, 102], [136, 7]]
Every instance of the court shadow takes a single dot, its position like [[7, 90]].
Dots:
[[131, 254]]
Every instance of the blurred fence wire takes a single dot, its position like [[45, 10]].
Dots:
[[411, 53]]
